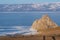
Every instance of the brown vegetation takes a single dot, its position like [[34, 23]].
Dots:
[[50, 31], [31, 37]]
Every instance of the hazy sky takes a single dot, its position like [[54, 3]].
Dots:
[[25, 1]]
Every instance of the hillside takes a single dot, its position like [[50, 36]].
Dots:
[[50, 31], [53, 7]]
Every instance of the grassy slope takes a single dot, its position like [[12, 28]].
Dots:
[[50, 31], [35, 37]]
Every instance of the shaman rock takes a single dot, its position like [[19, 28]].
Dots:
[[43, 23]]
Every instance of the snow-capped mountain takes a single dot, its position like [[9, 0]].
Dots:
[[30, 7]]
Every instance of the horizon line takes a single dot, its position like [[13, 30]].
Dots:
[[31, 3]]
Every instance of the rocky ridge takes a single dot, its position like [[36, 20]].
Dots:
[[43, 23]]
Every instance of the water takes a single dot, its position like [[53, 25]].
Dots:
[[18, 22]]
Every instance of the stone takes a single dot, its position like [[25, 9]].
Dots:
[[43, 23]]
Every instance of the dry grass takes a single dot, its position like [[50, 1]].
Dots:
[[50, 31], [31, 37]]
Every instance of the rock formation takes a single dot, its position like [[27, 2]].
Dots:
[[43, 23]]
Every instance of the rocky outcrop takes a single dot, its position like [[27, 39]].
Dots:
[[43, 23]]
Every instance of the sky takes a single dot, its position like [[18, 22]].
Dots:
[[26, 1]]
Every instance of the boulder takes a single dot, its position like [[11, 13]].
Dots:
[[43, 23]]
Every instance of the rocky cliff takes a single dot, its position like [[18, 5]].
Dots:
[[43, 23]]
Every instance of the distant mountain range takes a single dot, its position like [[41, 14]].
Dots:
[[30, 7]]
